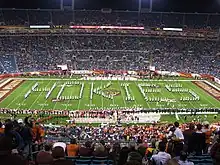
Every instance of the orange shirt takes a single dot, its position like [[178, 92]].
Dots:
[[72, 149], [2, 130]]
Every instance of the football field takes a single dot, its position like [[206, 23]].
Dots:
[[70, 94]]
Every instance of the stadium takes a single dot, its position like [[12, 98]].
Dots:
[[114, 84]]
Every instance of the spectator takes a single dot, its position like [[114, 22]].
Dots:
[[198, 140], [59, 157], [1, 129], [172, 162], [86, 150], [17, 141], [215, 152], [178, 139], [162, 157], [208, 134], [5, 153], [183, 159], [45, 157], [188, 138], [100, 151], [114, 153], [26, 133], [123, 155], [151, 150], [134, 156], [60, 144], [72, 148]]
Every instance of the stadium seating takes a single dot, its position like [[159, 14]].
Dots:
[[7, 64], [154, 19], [124, 53]]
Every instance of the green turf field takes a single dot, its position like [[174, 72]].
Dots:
[[105, 94]]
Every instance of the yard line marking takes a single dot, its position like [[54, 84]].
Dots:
[[79, 101], [102, 96], [56, 101], [18, 95], [125, 104], [142, 95], [80, 98], [44, 103], [113, 100], [38, 96], [70, 95], [133, 95], [90, 100]]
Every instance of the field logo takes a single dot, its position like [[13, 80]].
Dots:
[[111, 92]]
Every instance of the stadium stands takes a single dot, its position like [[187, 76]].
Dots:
[[8, 64], [109, 144], [84, 17], [37, 53]]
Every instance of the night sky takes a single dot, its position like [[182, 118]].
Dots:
[[158, 5]]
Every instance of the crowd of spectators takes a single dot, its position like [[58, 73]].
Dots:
[[127, 18], [158, 144], [37, 53]]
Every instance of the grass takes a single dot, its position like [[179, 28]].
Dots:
[[37, 100], [189, 118]]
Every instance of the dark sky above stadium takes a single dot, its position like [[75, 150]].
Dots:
[[158, 5]]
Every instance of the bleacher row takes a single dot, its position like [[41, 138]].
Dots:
[[81, 160], [201, 160], [154, 19]]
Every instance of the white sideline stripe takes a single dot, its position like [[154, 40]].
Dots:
[[4, 82], [64, 79], [38, 96], [214, 86]]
